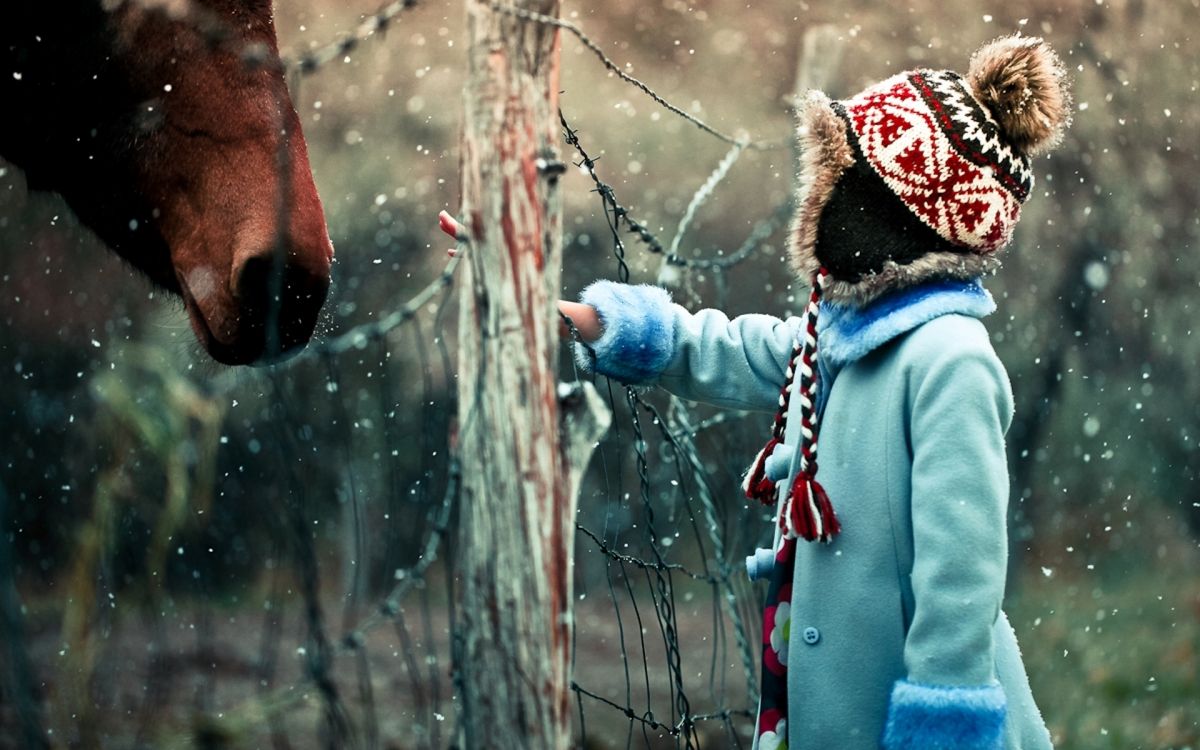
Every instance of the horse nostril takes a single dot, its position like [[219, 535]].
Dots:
[[278, 305], [252, 285]]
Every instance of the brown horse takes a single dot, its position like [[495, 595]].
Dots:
[[168, 129]]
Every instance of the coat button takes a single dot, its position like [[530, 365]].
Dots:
[[811, 636]]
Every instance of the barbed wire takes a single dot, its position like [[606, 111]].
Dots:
[[658, 565], [586, 41], [408, 578], [617, 214], [377, 22], [218, 32], [338, 726], [678, 729], [683, 729], [360, 336], [680, 443], [358, 339], [677, 433]]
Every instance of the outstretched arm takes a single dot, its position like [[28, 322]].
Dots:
[[635, 334]]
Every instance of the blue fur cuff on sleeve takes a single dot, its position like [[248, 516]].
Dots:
[[927, 717], [639, 331]]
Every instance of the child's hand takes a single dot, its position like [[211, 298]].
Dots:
[[583, 317]]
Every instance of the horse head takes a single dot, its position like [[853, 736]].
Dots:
[[168, 128]]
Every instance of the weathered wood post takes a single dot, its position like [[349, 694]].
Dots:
[[518, 484]]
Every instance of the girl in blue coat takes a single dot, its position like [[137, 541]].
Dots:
[[883, 624]]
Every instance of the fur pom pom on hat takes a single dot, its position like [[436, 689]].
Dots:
[[923, 175], [1020, 81]]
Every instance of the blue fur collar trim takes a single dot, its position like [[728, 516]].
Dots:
[[848, 333]]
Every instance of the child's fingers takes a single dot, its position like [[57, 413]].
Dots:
[[451, 252], [449, 225]]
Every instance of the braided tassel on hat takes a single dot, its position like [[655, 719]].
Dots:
[[807, 514]]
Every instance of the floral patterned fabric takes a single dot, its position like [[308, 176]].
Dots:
[[772, 713]]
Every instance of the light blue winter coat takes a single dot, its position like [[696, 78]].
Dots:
[[897, 639]]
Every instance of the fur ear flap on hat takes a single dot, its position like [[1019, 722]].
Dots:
[[825, 154], [1023, 84]]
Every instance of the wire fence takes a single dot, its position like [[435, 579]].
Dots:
[[357, 624], [682, 478]]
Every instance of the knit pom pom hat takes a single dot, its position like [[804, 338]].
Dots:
[[923, 175], [920, 176]]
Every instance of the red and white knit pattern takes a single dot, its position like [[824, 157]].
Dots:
[[808, 377], [938, 151], [807, 521], [973, 130]]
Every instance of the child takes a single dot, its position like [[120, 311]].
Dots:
[[887, 631]]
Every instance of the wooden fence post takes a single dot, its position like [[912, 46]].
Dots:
[[517, 521]]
